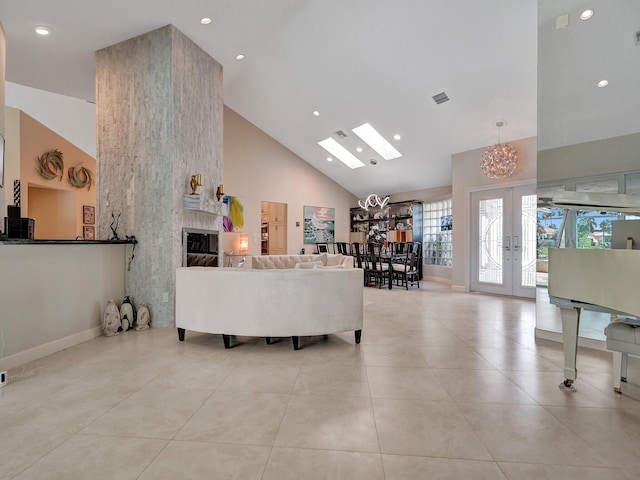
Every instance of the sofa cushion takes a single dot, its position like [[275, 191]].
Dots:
[[261, 263], [308, 265], [329, 267]]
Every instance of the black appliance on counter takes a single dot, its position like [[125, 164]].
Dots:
[[16, 226]]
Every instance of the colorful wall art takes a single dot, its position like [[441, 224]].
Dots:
[[319, 224]]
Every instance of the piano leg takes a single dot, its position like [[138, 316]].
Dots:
[[617, 371], [570, 324]]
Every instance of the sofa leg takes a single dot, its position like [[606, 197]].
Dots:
[[358, 336], [227, 341], [296, 343], [268, 340], [181, 334]]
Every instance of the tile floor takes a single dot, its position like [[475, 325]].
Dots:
[[444, 386]]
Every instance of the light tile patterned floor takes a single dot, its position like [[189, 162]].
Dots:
[[444, 386]]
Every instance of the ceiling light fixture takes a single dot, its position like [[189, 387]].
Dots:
[[329, 159], [341, 153], [240, 56], [359, 149], [499, 160], [603, 83], [206, 20], [374, 200], [376, 141], [41, 30], [316, 113], [586, 15]]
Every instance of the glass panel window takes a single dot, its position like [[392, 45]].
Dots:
[[437, 233]]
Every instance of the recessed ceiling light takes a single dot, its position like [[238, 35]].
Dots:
[[206, 20], [240, 56], [376, 141], [397, 136], [316, 113], [329, 159], [359, 149], [586, 15], [603, 83], [44, 31], [341, 153]]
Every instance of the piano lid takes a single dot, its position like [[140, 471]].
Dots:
[[610, 202]]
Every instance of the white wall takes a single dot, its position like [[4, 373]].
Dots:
[[3, 189], [466, 177], [257, 168], [53, 296], [69, 117]]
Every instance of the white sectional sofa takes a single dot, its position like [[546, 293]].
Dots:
[[273, 296]]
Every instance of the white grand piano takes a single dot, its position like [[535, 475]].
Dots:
[[598, 280]]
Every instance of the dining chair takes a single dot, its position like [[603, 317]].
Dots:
[[378, 270], [405, 267], [342, 247]]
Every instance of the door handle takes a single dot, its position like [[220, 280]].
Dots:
[[507, 243], [516, 246]]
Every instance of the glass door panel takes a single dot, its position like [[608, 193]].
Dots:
[[490, 264], [504, 229]]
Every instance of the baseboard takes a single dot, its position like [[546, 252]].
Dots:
[[36, 353], [446, 281], [459, 288], [582, 341]]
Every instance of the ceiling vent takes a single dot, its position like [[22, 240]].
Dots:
[[341, 134], [638, 37], [440, 98]]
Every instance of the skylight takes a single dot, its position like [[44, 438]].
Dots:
[[341, 153], [376, 141]]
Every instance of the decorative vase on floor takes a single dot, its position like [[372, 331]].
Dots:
[[111, 319], [127, 315], [144, 317]]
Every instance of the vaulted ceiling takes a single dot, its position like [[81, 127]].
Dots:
[[354, 61]]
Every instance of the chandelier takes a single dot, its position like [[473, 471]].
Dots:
[[374, 200], [499, 160]]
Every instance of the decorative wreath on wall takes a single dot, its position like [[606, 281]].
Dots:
[[50, 164], [80, 177]]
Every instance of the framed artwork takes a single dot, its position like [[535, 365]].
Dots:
[[319, 224], [89, 232], [89, 214]]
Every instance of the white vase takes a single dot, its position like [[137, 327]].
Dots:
[[144, 317], [111, 320]]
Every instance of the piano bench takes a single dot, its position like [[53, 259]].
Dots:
[[623, 339]]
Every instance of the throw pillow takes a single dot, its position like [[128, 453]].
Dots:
[[329, 267]]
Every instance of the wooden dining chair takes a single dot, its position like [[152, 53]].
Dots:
[[378, 271], [405, 268]]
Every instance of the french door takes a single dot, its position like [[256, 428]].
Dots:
[[503, 241]]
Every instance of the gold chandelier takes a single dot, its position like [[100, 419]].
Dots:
[[499, 160]]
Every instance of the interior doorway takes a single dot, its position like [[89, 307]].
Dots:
[[273, 228], [503, 241]]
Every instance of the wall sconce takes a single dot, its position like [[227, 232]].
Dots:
[[220, 192], [196, 181]]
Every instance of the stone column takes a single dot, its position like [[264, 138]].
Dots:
[[159, 105]]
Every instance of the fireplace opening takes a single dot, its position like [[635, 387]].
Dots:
[[201, 248]]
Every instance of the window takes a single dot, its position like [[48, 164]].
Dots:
[[437, 243]]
